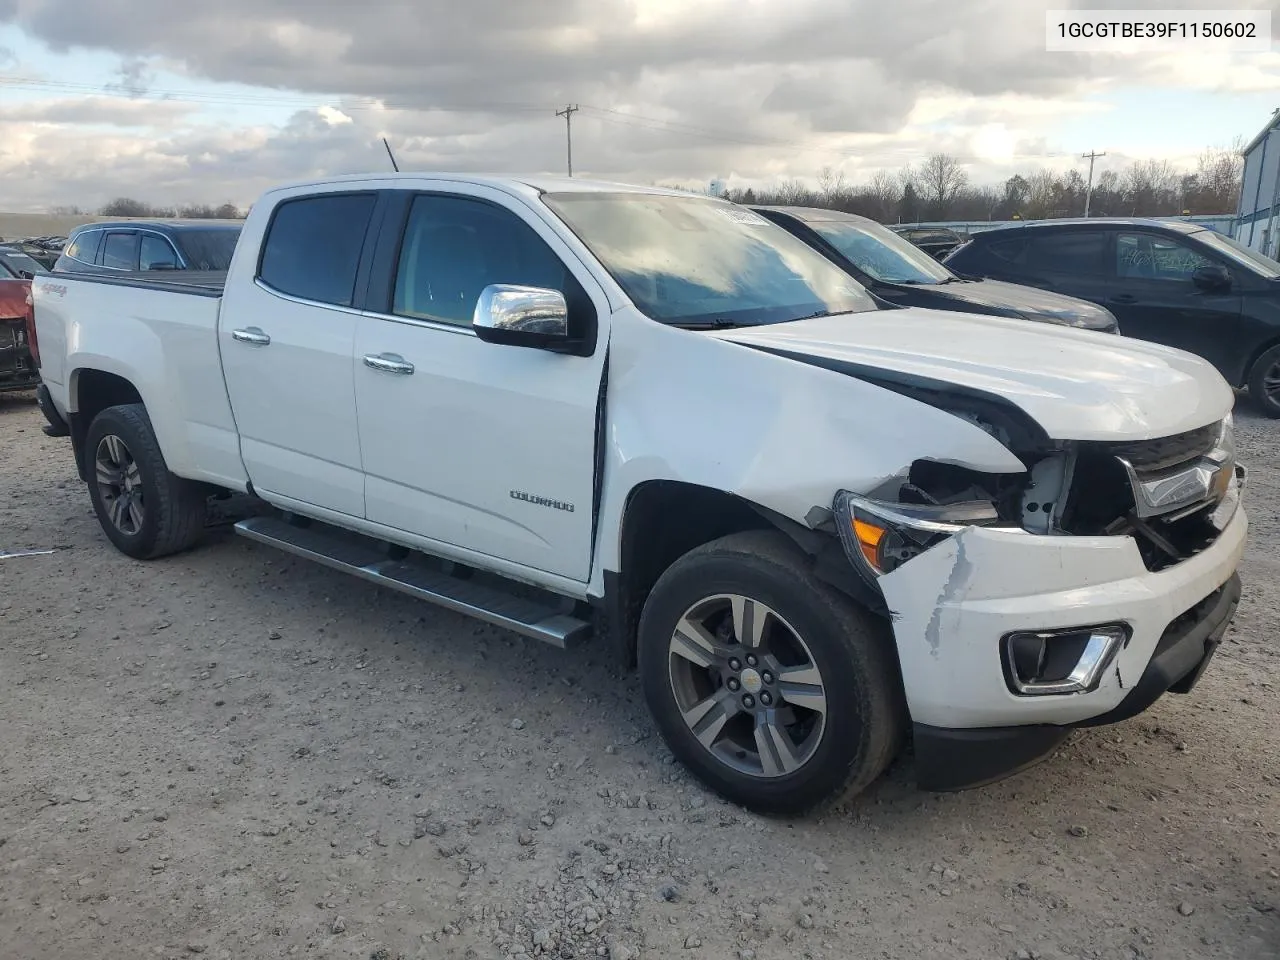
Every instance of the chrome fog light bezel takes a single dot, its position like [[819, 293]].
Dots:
[[1102, 643]]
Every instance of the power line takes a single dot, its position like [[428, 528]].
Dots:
[[568, 113]]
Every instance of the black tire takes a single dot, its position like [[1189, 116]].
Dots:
[[1267, 402], [852, 649], [172, 510]]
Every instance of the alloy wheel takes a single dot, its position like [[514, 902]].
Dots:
[[1271, 382], [119, 485], [747, 686]]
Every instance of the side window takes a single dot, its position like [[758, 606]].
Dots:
[[454, 247], [156, 253], [1080, 252], [1144, 256], [85, 246], [1008, 251], [120, 251], [312, 249]]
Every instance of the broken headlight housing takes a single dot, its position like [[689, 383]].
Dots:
[[879, 537]]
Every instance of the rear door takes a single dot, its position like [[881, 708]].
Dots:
[[286, 341], [489, 448], [1154, 298]]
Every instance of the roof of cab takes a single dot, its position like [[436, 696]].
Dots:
[[532, 185]]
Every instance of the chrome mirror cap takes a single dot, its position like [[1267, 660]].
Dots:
[[508, 312]]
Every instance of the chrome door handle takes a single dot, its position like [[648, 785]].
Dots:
[[388, 363], [251, 335]]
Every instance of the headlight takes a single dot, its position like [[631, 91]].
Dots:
[[880, 537]]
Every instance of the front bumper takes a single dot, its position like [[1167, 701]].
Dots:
[[948, 759], [951, 605]]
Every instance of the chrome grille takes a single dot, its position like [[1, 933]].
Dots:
[[1150, 457]]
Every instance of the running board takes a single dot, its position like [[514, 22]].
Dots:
[[529, 618]]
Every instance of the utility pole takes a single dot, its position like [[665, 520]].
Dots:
[[568, 113], [1091, 156]]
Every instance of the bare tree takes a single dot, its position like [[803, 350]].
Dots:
[[127, 207], [942, 178], [883, 193], [1150, 186], [1219, 172], [833, 191]]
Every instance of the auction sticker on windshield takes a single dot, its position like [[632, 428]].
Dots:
[[1146, 31]]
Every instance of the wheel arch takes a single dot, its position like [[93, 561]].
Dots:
[[1254, 357], [90, 391], [662, 520]]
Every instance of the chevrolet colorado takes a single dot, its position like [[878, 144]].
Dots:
[[817, 526]]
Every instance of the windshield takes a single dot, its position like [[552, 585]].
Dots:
[[208, 249], [689, 260], [1241, 254], [18, 263], [880, 252]]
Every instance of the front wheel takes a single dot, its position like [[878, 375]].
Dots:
[[144, 509], [1264, 382], [775, 690]]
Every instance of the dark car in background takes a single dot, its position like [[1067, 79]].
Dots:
[[17, 264], [1170, 282], [937, 242], [132, 246], [901, 273]]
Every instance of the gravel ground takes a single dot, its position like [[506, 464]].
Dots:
[[238, 754]]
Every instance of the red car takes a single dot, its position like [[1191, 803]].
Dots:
[[19, 369]]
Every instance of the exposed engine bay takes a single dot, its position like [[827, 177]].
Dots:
[[1164, 493]]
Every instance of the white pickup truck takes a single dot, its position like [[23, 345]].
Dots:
[[819, 524]]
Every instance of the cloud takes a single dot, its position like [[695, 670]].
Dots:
[[669, 88]]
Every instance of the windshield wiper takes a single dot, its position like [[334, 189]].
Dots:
[[719, 323]]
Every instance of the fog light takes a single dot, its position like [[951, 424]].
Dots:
[[1042, 663]]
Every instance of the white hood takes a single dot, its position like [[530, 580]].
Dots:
[[1077, 384]]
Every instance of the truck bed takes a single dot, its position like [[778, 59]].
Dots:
[[203, 283]]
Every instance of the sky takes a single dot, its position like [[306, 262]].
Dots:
[[174, 102]]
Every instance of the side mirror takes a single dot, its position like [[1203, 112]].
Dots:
[[522, 316], [1212, 278]]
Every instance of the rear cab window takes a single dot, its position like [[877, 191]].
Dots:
[[313, 246]]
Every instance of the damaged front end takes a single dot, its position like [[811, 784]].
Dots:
[[1173, 496], [1052, 595]]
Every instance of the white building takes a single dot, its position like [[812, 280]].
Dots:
[[1258, 218]]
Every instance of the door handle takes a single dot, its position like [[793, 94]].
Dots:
[[388, 363], [1124, 298], [251, 335]]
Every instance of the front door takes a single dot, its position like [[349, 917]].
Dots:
[[286, 341], [1154, 298], [486, 447]]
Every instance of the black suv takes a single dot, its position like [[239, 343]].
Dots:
[[130, 246], [1169, 282], [901, 273]]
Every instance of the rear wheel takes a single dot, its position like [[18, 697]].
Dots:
[[1264, 382], [144, 509], [775, 690]]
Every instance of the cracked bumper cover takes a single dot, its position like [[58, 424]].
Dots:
[[952, 604]]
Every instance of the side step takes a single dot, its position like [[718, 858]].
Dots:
[[529, 618]]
